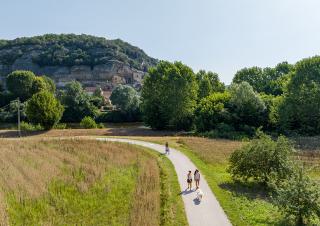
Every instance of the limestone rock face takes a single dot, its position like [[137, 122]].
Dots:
[[112, 71], [88, 59]]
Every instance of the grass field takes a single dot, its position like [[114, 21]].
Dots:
[[81, 182], [245, 205]]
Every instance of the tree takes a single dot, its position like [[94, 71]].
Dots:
[[127, 101], [262, 159], [265, 80], [169, 96], [49, 84], [300, 109], [39, 85], [19, 83], [211, 111], [44, 109], [125, 98], [299, 197], [253, 76], [97, 99], [208, 82], [246, 106], [77, 103]]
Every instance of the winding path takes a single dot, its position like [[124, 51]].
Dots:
[[206, 213]]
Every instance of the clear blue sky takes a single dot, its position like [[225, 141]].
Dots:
[[217, 35]]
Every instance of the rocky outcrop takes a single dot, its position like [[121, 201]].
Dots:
[[62, 74], [88, 59]]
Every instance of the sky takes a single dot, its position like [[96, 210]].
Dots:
[[217, 35]]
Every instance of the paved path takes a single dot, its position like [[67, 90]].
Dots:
[[206, 213]]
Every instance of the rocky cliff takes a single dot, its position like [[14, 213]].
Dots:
[[88, 59]]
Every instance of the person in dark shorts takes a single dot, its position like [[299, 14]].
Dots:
[[189, 180], [167, 148]]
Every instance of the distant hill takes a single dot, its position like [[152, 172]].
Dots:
[[65, 57]]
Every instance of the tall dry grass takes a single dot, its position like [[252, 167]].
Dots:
[[146, 209], [28, 166]]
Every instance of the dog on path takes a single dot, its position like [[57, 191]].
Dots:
[[199, 194]]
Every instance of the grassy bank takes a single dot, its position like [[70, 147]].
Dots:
[[79, 182], [244, 204]]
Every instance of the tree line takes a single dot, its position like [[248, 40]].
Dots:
[[283, 99], [44, 106]]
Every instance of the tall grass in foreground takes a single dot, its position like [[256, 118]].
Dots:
[[81, 182]]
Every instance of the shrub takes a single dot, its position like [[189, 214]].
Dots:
[[299, 197], [101, 126], [88, 123], [116, 116], [44, 109], [25, 126], [60, 126], [262, 159]]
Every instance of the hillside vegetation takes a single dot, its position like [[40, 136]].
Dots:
[[71, 49]]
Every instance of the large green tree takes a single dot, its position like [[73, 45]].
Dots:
[[247, 106], [125, 98], [20, 83], [211, 111], [44, 109], [300, 109], [265, 80], [169, 96], [127, 101], [208, 82], [76, 102]]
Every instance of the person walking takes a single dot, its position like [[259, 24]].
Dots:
[[189, 180], [167, 148], [197, 178]]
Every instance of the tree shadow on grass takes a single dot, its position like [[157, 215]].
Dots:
[[249, 190], [15, 133]]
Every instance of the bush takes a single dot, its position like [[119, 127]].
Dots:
[[117, 116], [225, 131], [299, 197], [101, 126], [25, 126], [44, 109], [262, 159], [60, 126], [88, 123]]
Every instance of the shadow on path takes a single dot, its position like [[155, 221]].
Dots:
[[196, 201], [186, 192]]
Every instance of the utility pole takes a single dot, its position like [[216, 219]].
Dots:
[[19, 129]]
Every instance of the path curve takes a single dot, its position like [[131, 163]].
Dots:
[[209, 211]]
